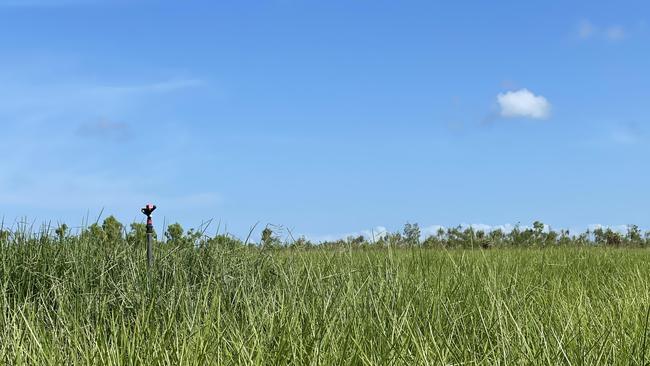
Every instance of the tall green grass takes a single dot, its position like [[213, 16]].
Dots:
[[77, 301]]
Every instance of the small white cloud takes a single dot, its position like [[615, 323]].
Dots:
[[523, 103], [65, 97], [105, 129], [371, 235], [158, 87], [621, 229], [615, 33], [586, 29], [432, 230]]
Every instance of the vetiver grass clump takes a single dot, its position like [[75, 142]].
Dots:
[[90, 299]]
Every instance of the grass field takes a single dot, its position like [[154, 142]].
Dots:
[[76, 301]]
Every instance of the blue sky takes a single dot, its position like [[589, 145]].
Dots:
[[328, 118]]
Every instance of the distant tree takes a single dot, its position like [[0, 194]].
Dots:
[[268, 239], [599, 236], [519, 237], [411, 234], [551, 238], [455, 237], [174, 236], [224, 241], [94, 233], [469, 238], [301, 243], [112, 229], [430, 241], [582, 239], [434, 241], [496, 237], [613, 238], [633, 235], [483, 240], [565, 238], [357, 241], [607, 237], [192, 237], [174, 233]]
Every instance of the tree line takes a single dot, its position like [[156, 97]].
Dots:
[[111, 231]]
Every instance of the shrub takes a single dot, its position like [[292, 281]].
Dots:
[[61, 231], [112, 229], [174, 233]]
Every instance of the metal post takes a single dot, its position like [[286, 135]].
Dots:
[[149, 245], [147, 210]]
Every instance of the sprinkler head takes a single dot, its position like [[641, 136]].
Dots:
[[148, 209]]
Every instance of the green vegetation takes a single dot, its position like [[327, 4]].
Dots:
[[533, 297]]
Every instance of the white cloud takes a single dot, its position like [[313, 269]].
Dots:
[[621, 229], [373, 234], [54, 99], [587, 30], [105, 129], [615, 33], [523, 103], [156, 87], [69, 175], [431, 230]]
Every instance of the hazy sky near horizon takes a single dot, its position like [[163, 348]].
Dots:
[[327, 117]]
